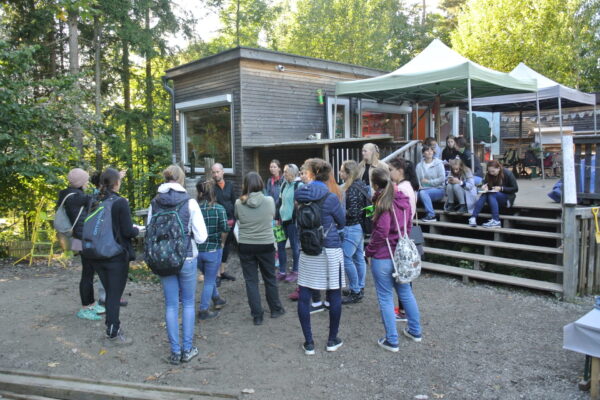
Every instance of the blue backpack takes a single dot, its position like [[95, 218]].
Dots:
[[98, 239]]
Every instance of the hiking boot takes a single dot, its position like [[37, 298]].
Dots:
[[218, 303], [88, 313], [472, 221], [492, 223], [387, 345], [291, 277], [334, 344], [317, 309], [309, 348], [294, 295], [98, 309], [281, 276], [412, 337], [187, 356], [352, 298], [278, 313], [119, 339], [203, 315], [175, 358]]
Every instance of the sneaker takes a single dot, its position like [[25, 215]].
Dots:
[[493, 223], [352, 298], [326, 305], [428, 218], [449, 208], [309, 348], [346, 292], [187, 356], [294, 295], [218, 303], [227, 277], [280, 276], [98, 309], [461, 208], [88, 313], [401, 316], [334, 344], [409, 335], [472, 221], [175, 358], [258, 320], [203, 315], [291, 277], [278, 313], [317, 309], [387, 345], [120, 339]]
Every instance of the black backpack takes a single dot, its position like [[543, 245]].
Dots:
[[98, 239], [309, 222], [365, 222], [165, 243]]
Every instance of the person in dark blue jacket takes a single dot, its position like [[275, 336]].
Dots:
[[326, 270]]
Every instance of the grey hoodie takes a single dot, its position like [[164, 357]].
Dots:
[[255, 219]]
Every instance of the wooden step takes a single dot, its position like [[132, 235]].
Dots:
[[493, 277], [518, 218], [491, 243], [507, 231], [18, 396], [495, 260]]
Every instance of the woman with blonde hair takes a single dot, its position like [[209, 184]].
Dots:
[[370, 159], [356, 197], [461, 191], [173, 196]]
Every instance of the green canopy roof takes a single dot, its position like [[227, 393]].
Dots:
[[437, 70]]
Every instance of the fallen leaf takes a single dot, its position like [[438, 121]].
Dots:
[[102, 352], [53, 364], [248, 391], [421, 397], [151, 378], [438, 395], [74, 350]]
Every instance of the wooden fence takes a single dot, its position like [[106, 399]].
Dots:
[[588, 253]]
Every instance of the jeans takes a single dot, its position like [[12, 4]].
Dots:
[[208, 264], [291, 231], [113, 275], [428, 196], [251, 263], [354, 257], [184, 282], [495, 201], [335, 311], [385, 285]]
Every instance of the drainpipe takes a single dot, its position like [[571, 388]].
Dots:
[[173, 130]]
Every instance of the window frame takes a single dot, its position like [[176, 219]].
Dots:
[[344, 103]]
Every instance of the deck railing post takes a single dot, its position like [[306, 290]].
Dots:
[[569, 221]]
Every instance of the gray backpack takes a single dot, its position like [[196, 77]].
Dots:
[[98, 239], [62, 223]]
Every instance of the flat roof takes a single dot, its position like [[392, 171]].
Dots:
[[270, 56], [308, 143]]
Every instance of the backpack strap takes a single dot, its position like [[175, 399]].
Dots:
[[364, 193]]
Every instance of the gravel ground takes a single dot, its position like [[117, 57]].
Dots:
[[479, 342]]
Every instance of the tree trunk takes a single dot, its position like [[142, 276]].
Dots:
[[424, 12], [74, 70], [98, 95], [149, 107], [125, 76]]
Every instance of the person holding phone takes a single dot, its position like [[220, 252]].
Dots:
[[461, 191]]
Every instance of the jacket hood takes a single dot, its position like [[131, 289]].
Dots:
[[402, 202], [312, 191], [255, 199], [435, 162], [171, 194]]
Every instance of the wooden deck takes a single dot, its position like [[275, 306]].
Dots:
[[533, 193]]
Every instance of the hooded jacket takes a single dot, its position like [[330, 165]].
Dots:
[[255, 219], [434, 172], [169, 195], [333, 215], [385, 227]]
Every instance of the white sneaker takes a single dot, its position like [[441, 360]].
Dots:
[[472, 221], [492, 224]]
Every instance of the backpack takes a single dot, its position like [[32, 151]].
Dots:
[[366, 223], [165, 243], [311, 233], [62, 223], [98, 238], [406, 258]]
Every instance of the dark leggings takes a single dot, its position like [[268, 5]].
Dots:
[[229, 243], [86, 284], [335, 311], [113, 275]]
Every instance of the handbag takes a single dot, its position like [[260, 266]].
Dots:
[[279, 233], [405, 258]]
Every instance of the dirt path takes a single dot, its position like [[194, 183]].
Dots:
[[479, 342]]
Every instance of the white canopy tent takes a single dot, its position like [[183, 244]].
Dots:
[[437, 72]]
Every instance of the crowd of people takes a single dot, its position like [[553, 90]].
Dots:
[[324, 222]]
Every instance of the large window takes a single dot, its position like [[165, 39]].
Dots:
[[206, 132]]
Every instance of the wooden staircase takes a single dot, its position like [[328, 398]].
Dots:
[[526, 251]]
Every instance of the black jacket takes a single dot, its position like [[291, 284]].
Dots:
[[450, 154], [123, 225], [509, 185], [73, 205], [226, 198], [355, 202]]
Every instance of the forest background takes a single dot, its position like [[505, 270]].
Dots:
[[80, 80]]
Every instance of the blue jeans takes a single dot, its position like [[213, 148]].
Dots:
[[495, 201], [354, 257], [209, 263], [184, 281], [384, 286], [291, 231], [428, 196]]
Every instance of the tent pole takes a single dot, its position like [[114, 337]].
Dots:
[[537, 106], [560, 122], [334, 117], [595, 126], [471, 126], [359, 133], [417, 138]]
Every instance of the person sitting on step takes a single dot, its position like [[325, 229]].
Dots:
[[461, 191]]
